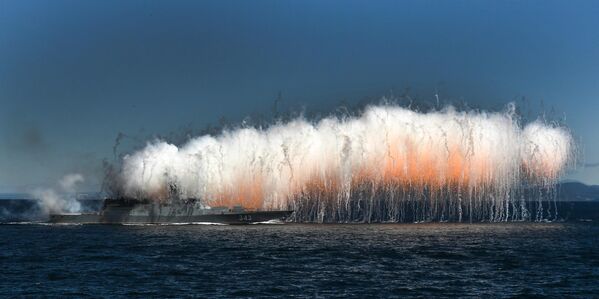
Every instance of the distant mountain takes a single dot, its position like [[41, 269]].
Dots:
[[577, 191]]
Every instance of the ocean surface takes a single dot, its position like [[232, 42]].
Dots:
[[300, 260]]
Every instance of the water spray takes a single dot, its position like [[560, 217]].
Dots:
[[388, 163]]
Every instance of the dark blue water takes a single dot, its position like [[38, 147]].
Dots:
[[292, 260]]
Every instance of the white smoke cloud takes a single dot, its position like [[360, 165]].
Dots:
[[69, 182], [51, 201], [386, 144]]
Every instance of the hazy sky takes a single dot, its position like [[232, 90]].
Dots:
[[73, 74]]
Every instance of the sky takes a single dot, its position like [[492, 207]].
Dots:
[[76, 74]]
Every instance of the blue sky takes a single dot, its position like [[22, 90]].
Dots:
[[73, 74]]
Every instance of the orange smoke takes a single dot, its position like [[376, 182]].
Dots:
[[247, 193]]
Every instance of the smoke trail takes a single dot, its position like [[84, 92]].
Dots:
[[387, 164], [51, 201]]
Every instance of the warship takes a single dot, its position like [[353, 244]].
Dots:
[[128, 211]]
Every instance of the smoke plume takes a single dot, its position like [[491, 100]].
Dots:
[[388, 163], [51, 201]]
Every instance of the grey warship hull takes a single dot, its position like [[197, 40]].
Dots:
[[116, 212], [231, 218]]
